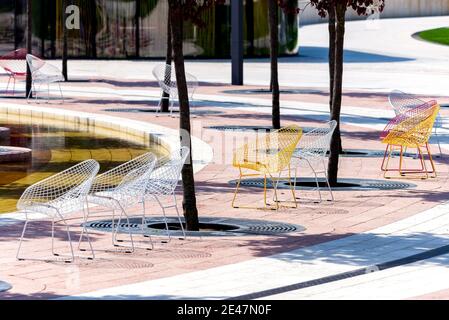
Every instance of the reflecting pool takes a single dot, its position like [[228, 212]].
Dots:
[[57, 145]]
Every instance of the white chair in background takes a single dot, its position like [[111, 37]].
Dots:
[[120, 189], [163, 182], [57, 197], [312, 153], [166, 78], [401, 102], [43, 73]]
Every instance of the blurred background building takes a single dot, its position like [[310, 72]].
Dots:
[[137, 28]]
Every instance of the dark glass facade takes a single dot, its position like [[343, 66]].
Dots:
[[137, 28]]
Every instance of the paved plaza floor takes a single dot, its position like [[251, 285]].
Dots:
[[368, 244]]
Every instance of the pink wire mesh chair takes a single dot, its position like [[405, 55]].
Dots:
[[43, 73], [14, 63], [312, 153], [401, 102], [163, 183], [166, 78], [57, 197], [122, 188]]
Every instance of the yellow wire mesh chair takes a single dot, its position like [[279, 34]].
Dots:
[[269, 155], [411, 130]]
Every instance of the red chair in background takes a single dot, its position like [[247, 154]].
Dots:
[[14, 63]]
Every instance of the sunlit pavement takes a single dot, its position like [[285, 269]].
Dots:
[[362, 231]]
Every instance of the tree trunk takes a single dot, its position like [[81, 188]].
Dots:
[[137, 33], [64, 43], [189, 200], [168, 60], [335, 147], [29, 45], [331, 53], [17, 11], [274, 42], [93, 33]]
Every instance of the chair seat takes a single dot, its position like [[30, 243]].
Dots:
[[48, 78], [55, 208], [113, 199], [256, 166]]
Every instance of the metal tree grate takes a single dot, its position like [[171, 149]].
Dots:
[[223, 227], [345, 184]]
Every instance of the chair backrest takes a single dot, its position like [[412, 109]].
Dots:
[[34, 63], [317, 141], [401, 102], [270, 153], [14, 62], [415, 128], [112, 178], [165, 178], [409, 113], [165, 76], [135, 182], [68, 188]]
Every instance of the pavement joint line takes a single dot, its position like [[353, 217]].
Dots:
[[345, 275]]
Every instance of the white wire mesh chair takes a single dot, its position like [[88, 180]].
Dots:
[[121, 188], [15, 66], [163, 182], [43, 73], [312, 152], [166, 78], [57, 197], [402, 102]]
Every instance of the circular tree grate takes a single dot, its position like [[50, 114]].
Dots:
[[244, 128], [268, 91], [129, 264], [343, 184], [209, 226]]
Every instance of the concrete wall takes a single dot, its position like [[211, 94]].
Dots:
[[393, 9]]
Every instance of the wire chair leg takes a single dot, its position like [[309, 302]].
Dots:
[[7, 86], [386, 164], [48, 92], [123, 213], [14, 86], [265, 190], [53, 237], [20, 242], [317, 185], [431, 161], [439, 144], [60, 92], [423, 161], [70, 240], [236, 190], [329, 186], [86, 231], [143, 225], [29, 93], [385, 156], [184, 237], [292, 186], [167, 229]]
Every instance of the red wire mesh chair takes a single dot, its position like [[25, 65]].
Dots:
[[411, 129], [14, 63]]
